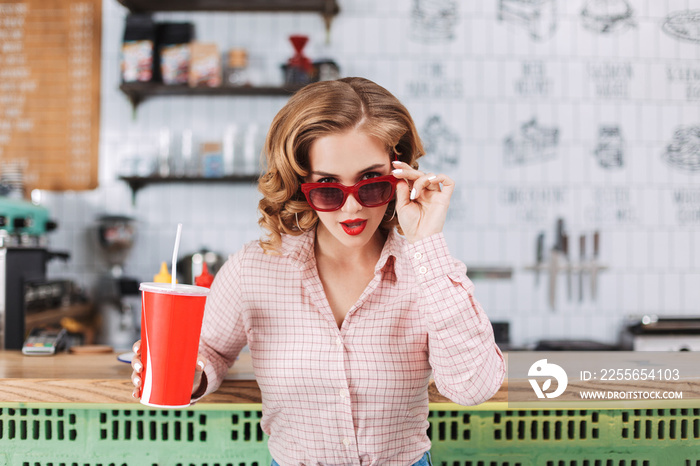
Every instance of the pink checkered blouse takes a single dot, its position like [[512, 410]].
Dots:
[[355, 395]]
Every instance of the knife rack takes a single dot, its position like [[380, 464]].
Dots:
[[558, 265], [560, 262]]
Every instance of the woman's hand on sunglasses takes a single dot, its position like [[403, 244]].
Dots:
[[422, 201]]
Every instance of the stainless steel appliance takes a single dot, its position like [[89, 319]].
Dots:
[[653, 333]]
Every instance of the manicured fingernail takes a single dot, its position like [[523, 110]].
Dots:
[[200, 364], [397, 171], [138, 366], [135, 394], [413, 193], [136, 381], [431, 178], [396, 162]]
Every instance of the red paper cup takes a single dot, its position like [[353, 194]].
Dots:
[[171, 320]]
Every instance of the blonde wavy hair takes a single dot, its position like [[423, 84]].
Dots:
[[317, 110]]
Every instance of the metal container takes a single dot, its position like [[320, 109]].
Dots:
[[190, 266]]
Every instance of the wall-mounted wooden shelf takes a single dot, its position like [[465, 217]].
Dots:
[[326, 8], [270, 6], [138, 182], [138, 92]]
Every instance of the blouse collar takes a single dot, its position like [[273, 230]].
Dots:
[[300, 250]]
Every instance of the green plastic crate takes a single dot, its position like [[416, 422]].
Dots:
[[101, 435], [566, 438], [95, 437]]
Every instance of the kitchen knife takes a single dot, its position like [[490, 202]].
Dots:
[[554, 263], [553, 272], [565, 247], [594, 265], [539, 257], [559, 239], [582, 257]]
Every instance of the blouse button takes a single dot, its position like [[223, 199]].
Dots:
[[346, 442], [423, 270], [418, 255], [344, 393], [338, 342]]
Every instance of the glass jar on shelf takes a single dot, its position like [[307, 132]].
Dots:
[[236, 71]]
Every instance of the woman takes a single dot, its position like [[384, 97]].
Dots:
[[346, 319]]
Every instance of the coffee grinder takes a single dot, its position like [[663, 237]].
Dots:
[[118, 297]]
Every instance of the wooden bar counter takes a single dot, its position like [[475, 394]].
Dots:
[[101, 378]]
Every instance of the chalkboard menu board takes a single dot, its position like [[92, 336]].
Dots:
[[50, 91]]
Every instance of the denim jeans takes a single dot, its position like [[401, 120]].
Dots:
[[425, 461]]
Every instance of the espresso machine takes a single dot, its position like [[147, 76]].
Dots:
[[24, 287]]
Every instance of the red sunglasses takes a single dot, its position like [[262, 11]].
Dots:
[[373, 192]]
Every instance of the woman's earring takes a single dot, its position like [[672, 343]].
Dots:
[[392, 215], [297, 219]]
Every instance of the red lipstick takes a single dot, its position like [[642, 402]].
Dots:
[[354, 226]]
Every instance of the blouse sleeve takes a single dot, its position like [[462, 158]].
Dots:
[[223, 328], [468, 367]]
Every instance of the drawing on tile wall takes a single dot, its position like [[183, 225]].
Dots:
[[538, 18], [534, 205], [441, 144], [459, 211], [688, 76], [434, 21], [607, 16], [534, 81], [687, 203], [531, 144], [611, 80], [612, 205], [434, 79], [609, 150], [684, 150], [683, 25]]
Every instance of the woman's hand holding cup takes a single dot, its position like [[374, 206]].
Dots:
[[137, 367]]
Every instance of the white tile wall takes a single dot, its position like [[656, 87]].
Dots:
[[469, 81]]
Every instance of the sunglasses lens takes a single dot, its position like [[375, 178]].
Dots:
[[326, 198], [375, 194]]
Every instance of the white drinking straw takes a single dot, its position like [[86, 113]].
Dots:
[[173, 279]]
